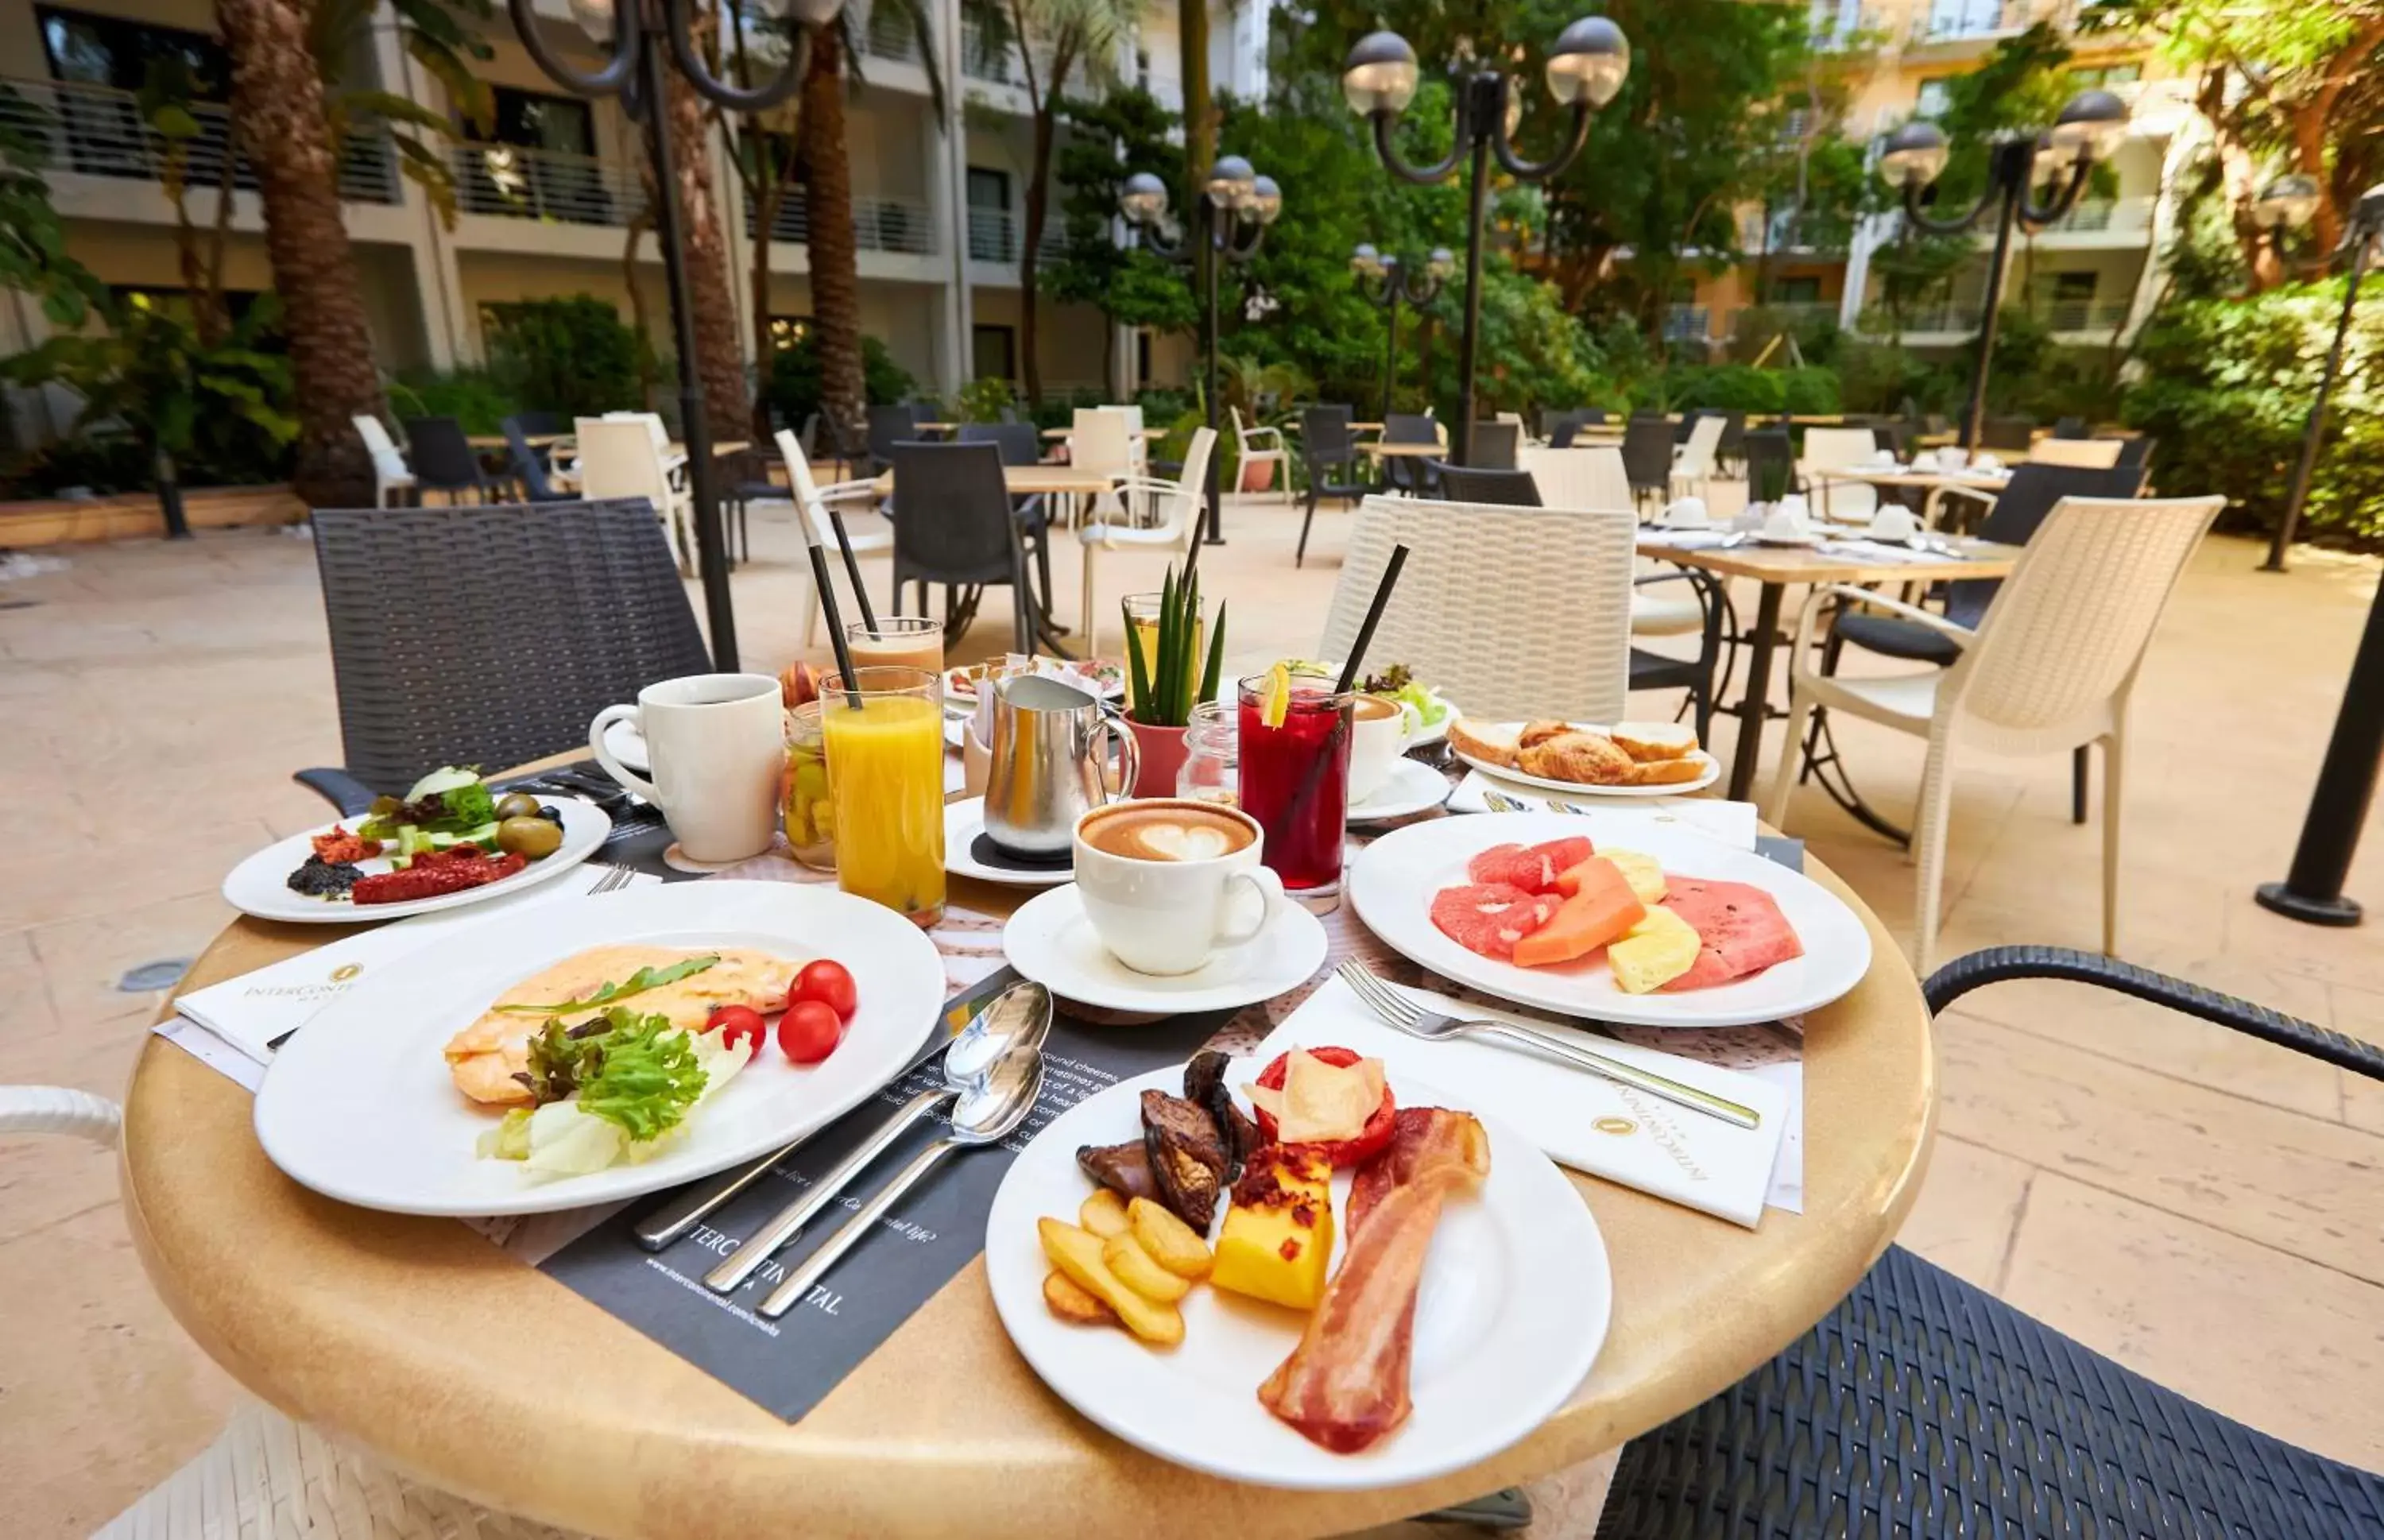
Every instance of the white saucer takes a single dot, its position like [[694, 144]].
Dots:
[[1413, 787], [1051, 942], [629, 745], [963, 821]]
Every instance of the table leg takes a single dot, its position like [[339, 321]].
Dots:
[[1753, 705]]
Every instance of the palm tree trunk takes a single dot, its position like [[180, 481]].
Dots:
[[1039, 199], [828, 235], [278, 98], [720, 362]]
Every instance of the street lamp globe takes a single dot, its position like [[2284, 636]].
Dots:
[[2090, 126], [1263, 201], [2051, 160], [1589, 62], [1914, 155], [1365, 261], [1144, 198], [594, 17], [1380, 75], [1441, 263], [1230, 182], [2286, 201]]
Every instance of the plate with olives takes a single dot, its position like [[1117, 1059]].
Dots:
[[316, 876]]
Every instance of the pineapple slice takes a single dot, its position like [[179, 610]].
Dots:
[[1277, 1238], [1652, 954], [1643, 872]]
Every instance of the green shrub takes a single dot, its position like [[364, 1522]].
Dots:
[[477, 399], [985, 400], [1810, 391], [1725, 387], [794, 389], [575, 355], [2226, 387]]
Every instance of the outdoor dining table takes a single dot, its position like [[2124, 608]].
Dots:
[[498, 441], [1776, 569], [1932, 484], [1056, 434], [1408, 450], [454, 1361]]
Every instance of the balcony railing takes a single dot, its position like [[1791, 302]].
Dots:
[[1791, 312], [1954, 21], [98, 131], [878, 223], [996, 234], [513, 182], [2105, 215], [983, 59], [1688, 323], [1960, 316], [2084, 315], [889, 35]]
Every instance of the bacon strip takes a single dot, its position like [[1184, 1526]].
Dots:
[[1346, 1385]]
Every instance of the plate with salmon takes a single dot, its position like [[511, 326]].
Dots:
[[1615, 921], [595, 1049]]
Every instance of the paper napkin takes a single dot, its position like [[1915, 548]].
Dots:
[[254, 1009], [1577, 1118], [1734, 824]]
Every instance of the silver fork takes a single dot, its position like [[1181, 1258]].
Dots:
[[1498, 801], [1391, 1003], [614, 880]]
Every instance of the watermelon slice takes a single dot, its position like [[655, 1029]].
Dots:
[[1741, 930], [1490, 917], [1533, 868]]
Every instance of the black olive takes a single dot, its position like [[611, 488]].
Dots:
[[552, 813]]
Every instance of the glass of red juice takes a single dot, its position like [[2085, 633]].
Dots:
[[1295, 778]]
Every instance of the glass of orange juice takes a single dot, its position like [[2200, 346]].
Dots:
[[885, 741], [897, 641]]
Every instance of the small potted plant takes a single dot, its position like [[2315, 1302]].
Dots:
[[1167, 678], [1772, 483]]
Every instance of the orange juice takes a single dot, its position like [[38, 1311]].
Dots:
[[886, 784], [899, 641]]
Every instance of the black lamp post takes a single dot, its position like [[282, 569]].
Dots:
[[1585, 70], [638, 71], [1231, 220], [1399, 285], [2312, 890], [2089, 128], [2293, 200]]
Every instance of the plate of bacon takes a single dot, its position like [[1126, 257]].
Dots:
[[332, 874], [1302, 1274]]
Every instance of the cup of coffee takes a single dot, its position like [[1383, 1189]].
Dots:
[[715, 744], [1892, 522], [1378, 732], [1168, 882], [1786, 523], [1950, 457], [1687, 513]]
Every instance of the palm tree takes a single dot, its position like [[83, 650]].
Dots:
[[1073, 32], [719, 359]]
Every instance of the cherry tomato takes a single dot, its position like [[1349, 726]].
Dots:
[[827, 982], [737, 1023], [809, 1031]]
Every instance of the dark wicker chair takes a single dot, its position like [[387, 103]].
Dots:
[[2069, 428], [2136, 451], [2008, 434], [1647, 457], [1924, 1406], [1328, 451], [1495, 445], [954, 525], [528, 466], [543, 422], [1558, 427], [1514, 488], [443, 458], [1021, 443], [889, 426], [493, 672], [1652, 670], [1408, 473], [1764, 449]]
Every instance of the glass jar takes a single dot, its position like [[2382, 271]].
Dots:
[[1211, 750], [805, 804]]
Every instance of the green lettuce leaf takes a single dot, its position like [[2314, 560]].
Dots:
[[644, 1076]]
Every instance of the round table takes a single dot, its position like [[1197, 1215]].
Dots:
[[460, 1366]]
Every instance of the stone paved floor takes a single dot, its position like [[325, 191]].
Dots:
[[2205, 1209]]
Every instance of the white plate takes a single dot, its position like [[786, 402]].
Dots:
[[963, 689], [359, 1107], [626, 743], [1804, 541], [260, 885], [1512, 1310], [1413, 787], [963, 821], [1392, 882], [1050, 941], [1711, 773]]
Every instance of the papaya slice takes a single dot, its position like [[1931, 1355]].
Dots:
[[1602, 906]]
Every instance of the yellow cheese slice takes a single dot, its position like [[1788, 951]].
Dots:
[[1321, 1102]]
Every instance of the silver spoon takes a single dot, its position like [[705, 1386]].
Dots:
[[1019, 1016], [985, 1115]]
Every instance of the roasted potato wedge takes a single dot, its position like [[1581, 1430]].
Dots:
[[1103, 1213], [1173, 1244], [1077, 1253], [1069, 1302], [1133, 1267]]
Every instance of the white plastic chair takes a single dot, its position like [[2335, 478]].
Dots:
[[622, 456], [1098, 440], [1514, 612], [2091, 453], [1692, 463], [389, 472], [1175, 518], [856, 506], [1584, 477], [1260, 446], [2049, 669], [1839, 449]]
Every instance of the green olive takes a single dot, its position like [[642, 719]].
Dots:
[[516, 804], [532, 836]]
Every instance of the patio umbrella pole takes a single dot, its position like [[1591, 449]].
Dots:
[[2312, 891]]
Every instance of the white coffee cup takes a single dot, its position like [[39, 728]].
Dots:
[[1786, 523], [1687, 513], [1952, 457], [1882, 457], [716, 746], [1170, 914], [1986, 462], [1892, 522], [1378, 734]]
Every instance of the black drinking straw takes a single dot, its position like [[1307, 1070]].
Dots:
[[1390, 580], [820, 580], [851, 568]]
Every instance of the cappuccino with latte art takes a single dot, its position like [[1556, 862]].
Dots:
[[1168, 883], [1161, 830]]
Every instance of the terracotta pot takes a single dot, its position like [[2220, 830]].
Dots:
[[1162, 755], [1259, 476]]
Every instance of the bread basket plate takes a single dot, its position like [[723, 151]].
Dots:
[[1705, 777]]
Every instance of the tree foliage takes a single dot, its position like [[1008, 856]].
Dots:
[[1109, 139]]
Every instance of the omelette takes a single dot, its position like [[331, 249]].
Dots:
[[485, 1056]]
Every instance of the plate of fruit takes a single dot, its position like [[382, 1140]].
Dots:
[[1618, 922], [1302, 1273]]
